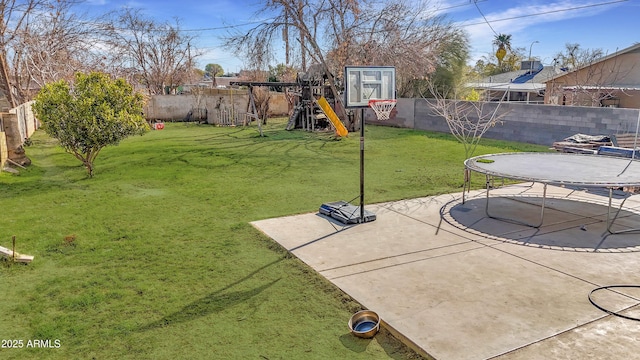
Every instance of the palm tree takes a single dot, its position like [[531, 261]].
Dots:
[[503, 42]]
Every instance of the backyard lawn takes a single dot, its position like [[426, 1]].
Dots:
[[154, 257]]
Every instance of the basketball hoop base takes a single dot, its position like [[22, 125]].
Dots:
[[345, 212]]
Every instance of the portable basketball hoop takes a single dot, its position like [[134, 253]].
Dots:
[[382, 108], [364, 86]]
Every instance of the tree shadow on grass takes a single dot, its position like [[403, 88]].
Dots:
[[217, 301], [391, 345], [353, 343]]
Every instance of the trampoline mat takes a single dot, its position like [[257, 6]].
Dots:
[[559, 168]]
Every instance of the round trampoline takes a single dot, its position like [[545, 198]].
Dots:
[[560, 168], [581, 170]]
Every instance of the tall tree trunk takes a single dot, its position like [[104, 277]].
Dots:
[[4, 81], [15, 150]]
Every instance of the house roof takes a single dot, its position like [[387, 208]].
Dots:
[[621, 87], [519, 80], [539, 75], [525, 80], [631, 48], [526, 87]]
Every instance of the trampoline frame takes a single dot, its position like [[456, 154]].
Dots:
[[474, 165]]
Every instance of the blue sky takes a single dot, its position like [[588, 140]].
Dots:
[[595, 24], [609, 25]]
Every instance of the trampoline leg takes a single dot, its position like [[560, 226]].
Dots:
[[486, 205], [466, 187], [610, 220], [544, 197]]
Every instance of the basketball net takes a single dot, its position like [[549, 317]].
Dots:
[[382, 108]]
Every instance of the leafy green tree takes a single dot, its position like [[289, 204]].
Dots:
[[282, 73], [449, 76], [485, 67], [473, 95], [511, 62], [198, 72], [213, 70], [513, 59], [93, 112]]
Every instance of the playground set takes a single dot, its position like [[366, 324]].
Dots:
[[314, 105], [311, 102]]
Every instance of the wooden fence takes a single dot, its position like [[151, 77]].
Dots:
[[228, 117]]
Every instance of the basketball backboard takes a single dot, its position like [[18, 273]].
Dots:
[[364, 83]]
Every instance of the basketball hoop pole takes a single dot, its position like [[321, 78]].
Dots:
[[361, 165]]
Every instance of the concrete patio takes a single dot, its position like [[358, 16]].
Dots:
[[467, 286]]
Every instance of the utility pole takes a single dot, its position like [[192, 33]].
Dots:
[[285, 36]]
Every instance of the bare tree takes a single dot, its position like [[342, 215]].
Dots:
[[262, 96], [335, 33], [159, 53], [402, 34], [53, 44], [468, 121], [304, 16], [574, 56], [13, 16]]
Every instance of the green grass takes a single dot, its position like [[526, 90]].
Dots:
[[154, 257]]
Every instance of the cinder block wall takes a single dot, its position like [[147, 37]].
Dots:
[[528, 123], [176, 107]]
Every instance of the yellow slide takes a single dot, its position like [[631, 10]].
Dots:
[[328, 111]]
